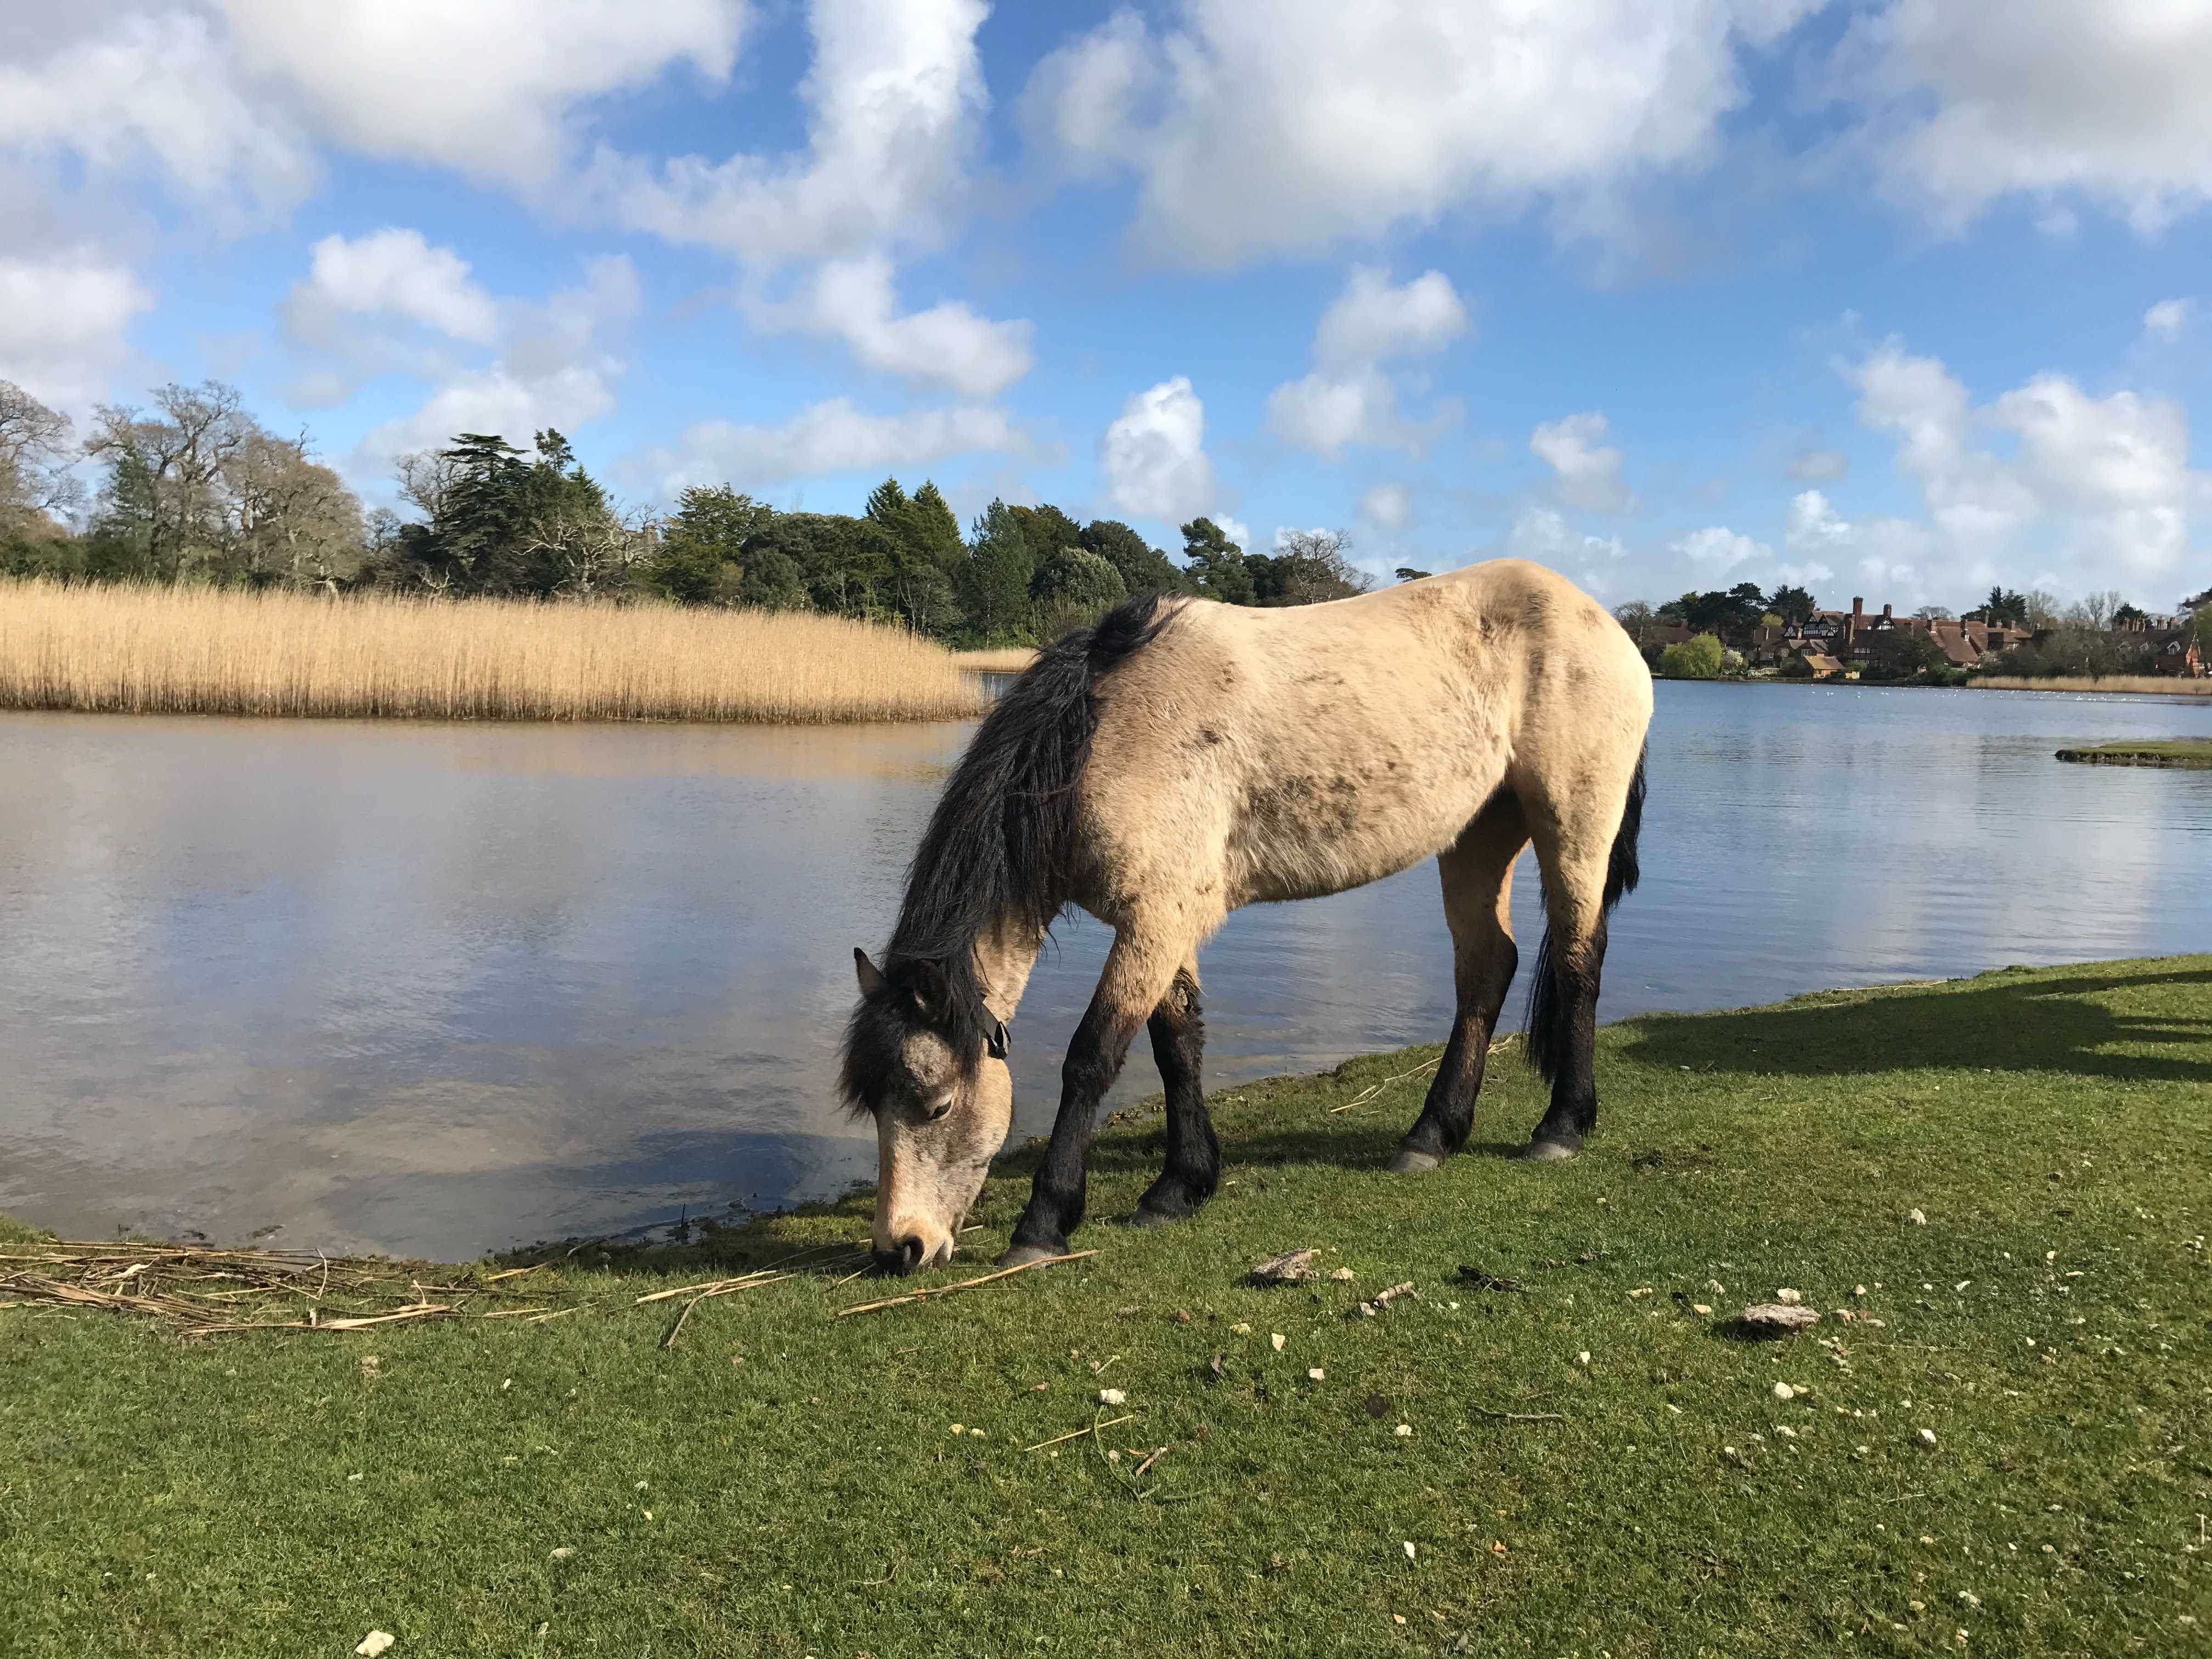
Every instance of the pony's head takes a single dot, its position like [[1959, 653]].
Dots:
[[928, 1064]]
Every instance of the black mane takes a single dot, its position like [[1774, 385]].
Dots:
[[1000, 844]]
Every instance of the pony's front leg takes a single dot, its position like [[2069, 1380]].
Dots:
[[1140, 969]]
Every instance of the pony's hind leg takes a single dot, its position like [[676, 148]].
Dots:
[[1478, 883], [1194, 1155], [1139, 969], [1575, 851]]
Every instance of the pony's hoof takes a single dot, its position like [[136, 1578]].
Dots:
[[1022, 1254], [1141, 1216], [1546, 1152], [1407, 1160]]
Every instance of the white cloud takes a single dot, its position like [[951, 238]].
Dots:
[[895, 101], [2103, 482], [62, 323], [1239, 532], [1541, 533], [490, 89], [1153, 455], [1718, 549], [2039, 97], [1588, 468], [834, 436], [1261, 129], [1348, 399], [392, 272], [1371, 319], [2168, 317], [852, 300], [1389, 505], [1820, 465], [553, 367], [125, 95]]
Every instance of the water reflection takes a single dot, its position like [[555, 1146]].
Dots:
[[439, 989]]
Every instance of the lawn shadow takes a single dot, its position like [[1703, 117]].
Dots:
[[2010, 1025]]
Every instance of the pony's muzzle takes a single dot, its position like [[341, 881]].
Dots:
[[903, 1256]]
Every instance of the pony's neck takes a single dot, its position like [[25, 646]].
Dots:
[[1004, 953]]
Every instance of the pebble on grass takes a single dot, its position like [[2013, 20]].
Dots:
[[1275, 1340], [375, 1642], [1112, 1397], [1403, 1432]]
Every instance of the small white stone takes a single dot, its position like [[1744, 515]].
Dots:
[[375, 1642], [1410, 1552], [1928, 1437], [1112, 1397], [1790, 1298], [957, 1429], [1240, 1330], [1315, 1373], [1403, 1432], [1275, 1340], [566, 1553], [1582, 1359], [1344, 1275], [1917, 1219], [1784, 1391], [1969, 1598]]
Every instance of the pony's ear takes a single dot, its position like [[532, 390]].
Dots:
[[871, 978], [932, 991]]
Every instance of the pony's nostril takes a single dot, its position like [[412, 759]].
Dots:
[[911, 1250]]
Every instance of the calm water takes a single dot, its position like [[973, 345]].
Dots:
[[444, 989]]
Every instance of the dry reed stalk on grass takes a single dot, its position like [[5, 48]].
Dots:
[[2157, 684], [197, 1290], [178, 650]]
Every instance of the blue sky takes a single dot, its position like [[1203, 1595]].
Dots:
[[1897, 297]]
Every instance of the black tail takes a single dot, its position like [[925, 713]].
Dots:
[[1548, 1034], [1001, 842]]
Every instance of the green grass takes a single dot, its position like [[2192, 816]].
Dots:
[[2141, 751], [783, 1482]]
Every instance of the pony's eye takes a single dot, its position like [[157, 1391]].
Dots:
[[940, 1110]]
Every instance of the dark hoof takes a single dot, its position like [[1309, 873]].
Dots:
[[1548, 1152], [1408, 1160], [1022, 1254]]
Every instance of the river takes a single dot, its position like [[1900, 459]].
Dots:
[[440, 989]]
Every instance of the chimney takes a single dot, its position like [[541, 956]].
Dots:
[[1859, 610], [1885, 612]]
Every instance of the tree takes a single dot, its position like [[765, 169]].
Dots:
[[1792, 603], [1074, 588], [36, 450], [297, 524], [171, 465], [1696, 659], [701, 558], [1406, 572], [2095, 611], [993, 581], [2038, 609], [1216, 564], [1935, 613], [1731, 614], [1308, 568], [1639, 619], [1910, 654], [1142, 567], [2004, 608], [1045, 531]]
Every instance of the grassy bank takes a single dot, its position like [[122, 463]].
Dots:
[[165, 650], [1589, 1463], [1008, 659], [2154, 684], [2139, 751]]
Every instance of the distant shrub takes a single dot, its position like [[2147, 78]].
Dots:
[[1795, 668], [1699, 658]]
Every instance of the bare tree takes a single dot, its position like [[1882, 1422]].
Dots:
[[1311, 566], [178, 457], [595, 552], [37, 447], [296, 520], [426, 477], [2040, 610], [2095, 611], [1935, 613]]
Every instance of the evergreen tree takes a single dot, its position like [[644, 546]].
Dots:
[[1143, 568], [701, 558], [1216, 563], [932, 530], [993, 582]]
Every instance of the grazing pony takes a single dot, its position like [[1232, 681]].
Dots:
[[1183, 758]]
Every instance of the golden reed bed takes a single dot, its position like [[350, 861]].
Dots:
[[174, 651], [2159, 684]]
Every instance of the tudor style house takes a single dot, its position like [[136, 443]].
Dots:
[[1857, 638]]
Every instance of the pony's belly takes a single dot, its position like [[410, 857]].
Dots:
[[1276, 857]]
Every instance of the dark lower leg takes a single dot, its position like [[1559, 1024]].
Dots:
[[1573, 1112], [1448, 1114], [1057, 1194], [1194, 1156]]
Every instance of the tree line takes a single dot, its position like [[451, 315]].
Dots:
[[195, 489]]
